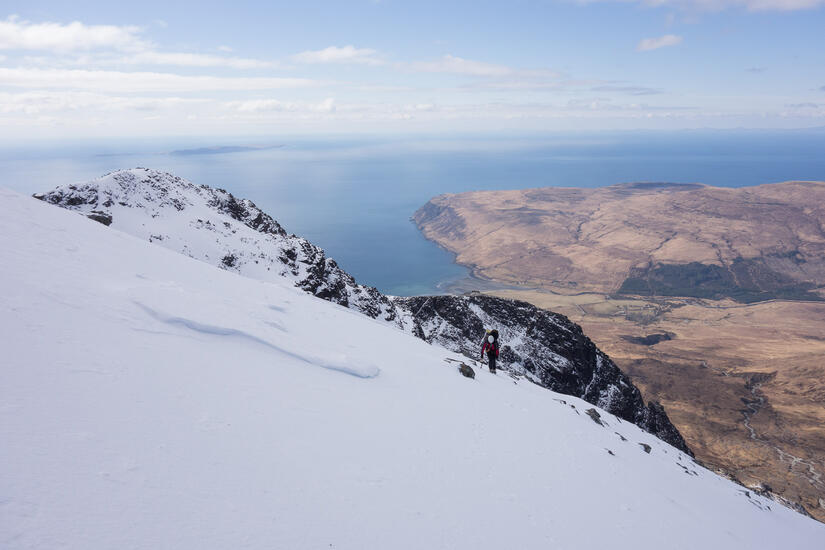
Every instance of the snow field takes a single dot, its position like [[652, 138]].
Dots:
[[153, 401]]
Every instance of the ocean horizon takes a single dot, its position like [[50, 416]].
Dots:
[[354, 196]]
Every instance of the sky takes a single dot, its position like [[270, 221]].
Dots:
[[98, 69]]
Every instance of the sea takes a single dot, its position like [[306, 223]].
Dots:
[[354, 195]]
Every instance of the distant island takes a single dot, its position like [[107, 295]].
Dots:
[[223, 149]]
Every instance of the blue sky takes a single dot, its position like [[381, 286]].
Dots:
[[245, 68]]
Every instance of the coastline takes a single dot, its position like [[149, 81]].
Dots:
[[704, 370], [473, 281]]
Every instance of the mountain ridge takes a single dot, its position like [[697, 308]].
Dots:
[[544, 347]]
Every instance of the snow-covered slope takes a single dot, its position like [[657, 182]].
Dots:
[[153, 401], [545, 347], [213, 226]]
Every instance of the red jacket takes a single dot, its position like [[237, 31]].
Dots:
[[487, 345]]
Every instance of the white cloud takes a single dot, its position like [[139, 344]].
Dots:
[[23, 35], [807, 105], [718, 5], [98, 42], [782, 5], [515, 85], [649, 44], [326, 106], [756, 5], [139, 82], [629, 90], [458, 65], [77, 113], [36, 103], [381, 88], [334, 54], [270, 105], [183, 59]]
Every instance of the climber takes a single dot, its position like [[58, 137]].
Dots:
[[490, 345]]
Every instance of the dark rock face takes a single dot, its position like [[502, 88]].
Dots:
[[546, 347], [243, 211], [542, 346], [654, 419], [466, 370], [101, 217]]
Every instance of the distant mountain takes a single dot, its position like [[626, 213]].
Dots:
[[212, 225]]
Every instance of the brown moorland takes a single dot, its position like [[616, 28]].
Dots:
[[710, 298]]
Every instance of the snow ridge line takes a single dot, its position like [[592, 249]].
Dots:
[[366, 371], [213, 226]]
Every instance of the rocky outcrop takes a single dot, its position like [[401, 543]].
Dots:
[[545, 347], [466, 370], [214, 226], [234, 234]]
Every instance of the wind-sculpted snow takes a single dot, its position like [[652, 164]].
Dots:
[[213, 226], [340, 364]]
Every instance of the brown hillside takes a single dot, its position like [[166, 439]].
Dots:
[[592, 239], [709, 298]]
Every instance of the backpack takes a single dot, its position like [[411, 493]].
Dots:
[[494, 334]]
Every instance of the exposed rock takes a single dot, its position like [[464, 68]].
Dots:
[[101, 217], [246, 239], [229, 260], [547, 348], [537, 344], [594, 414], [646, 447], [466, 370]]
